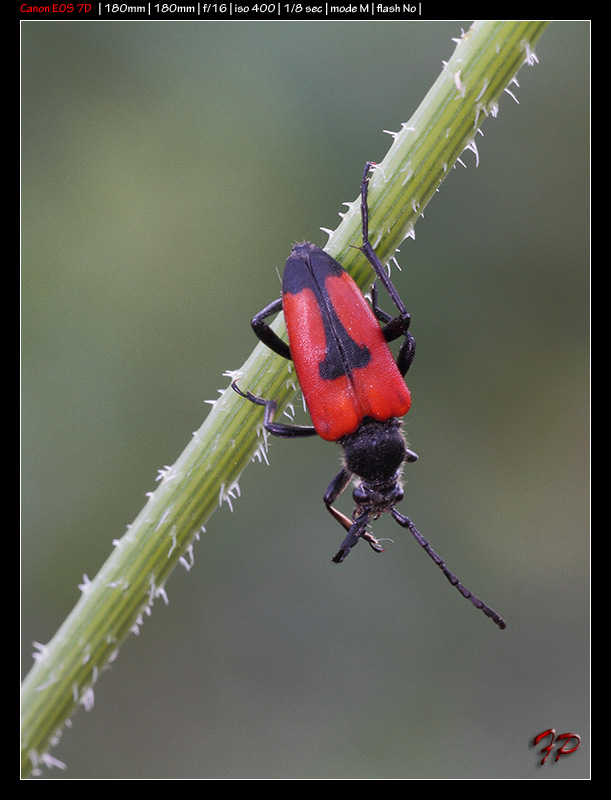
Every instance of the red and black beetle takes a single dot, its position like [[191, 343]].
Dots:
[[354, 390]]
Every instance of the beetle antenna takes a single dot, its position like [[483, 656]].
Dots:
[[405, 522]]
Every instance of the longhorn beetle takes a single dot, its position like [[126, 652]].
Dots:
[[353, 388]]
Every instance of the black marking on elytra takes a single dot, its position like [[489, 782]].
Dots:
[[308, 268]]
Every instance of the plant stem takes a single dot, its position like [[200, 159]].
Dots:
[[484, 63]]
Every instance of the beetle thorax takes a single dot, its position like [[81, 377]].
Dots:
[[376, 452]]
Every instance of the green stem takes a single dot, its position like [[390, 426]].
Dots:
[[484, 63]]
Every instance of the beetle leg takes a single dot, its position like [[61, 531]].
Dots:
[[357, 531], [335, 488], [394, 327], [276, 428], [356, 528], [266, 334], [367, 248]]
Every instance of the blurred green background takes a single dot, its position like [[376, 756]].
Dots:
[[167, 169]]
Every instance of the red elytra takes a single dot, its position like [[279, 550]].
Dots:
[[343, 362]]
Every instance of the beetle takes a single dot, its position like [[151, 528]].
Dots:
[[354, 389]]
